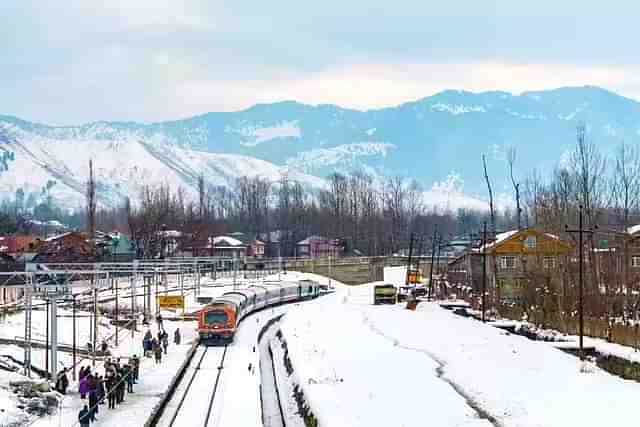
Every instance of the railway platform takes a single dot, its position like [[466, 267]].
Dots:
[[154, 381]]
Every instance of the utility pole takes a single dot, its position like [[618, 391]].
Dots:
[[408, 275], [433, 252], [95, 322], [581, 231], [74, 334], [46, 345], [115, 281], [484, 269]]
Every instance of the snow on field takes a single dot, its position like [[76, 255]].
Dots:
[[364, 365]]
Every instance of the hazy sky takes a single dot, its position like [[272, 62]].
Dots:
[[68, 62]]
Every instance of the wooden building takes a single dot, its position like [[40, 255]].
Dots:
[[517, 262]]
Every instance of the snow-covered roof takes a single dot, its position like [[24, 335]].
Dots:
[[227, 240], [633, 229], [310, 239], [57, 236], [500, 237]]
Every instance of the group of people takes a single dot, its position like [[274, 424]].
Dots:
[[155, 346], [110, 387], [117, 376]]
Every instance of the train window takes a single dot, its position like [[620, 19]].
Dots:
[[215, 317]]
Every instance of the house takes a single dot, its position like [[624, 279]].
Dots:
[[255, 247], [67, 247], [221, 246], [115, 247], [516, 261], [318, 247], [10, 294], [521, 261], [15, 244], [227, 246]]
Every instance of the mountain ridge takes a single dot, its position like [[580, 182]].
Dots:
[[428, 139]]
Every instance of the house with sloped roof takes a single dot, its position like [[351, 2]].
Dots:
[[517, 262], [67, 247], [318, 247]]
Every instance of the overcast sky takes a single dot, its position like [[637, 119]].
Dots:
[[151, 60]]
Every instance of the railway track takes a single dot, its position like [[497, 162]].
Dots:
[[204, 381]]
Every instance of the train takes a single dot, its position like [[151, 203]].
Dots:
[[218, 321]]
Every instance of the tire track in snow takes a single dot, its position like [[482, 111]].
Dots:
[[440, 371]]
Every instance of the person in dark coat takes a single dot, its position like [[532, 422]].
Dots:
[[176, 336], [111, 392], [165, 341], [100, 389], [159, 320], [129, 377], [135, 365], [119, 387], [158, 352], [62, 382], [84, 418], [93, 405], [146, 343]]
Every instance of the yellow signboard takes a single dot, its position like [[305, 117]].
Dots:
[[171, 301]]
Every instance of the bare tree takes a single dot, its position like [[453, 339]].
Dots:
[[492, 211], [511, 159], [91, 204], [625, 181]]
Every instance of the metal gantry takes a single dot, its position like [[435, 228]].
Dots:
[[55, 282]]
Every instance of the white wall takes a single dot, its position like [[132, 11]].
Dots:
[[395, 275]]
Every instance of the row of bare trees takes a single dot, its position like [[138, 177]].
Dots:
[[371, 217], [606, 188]]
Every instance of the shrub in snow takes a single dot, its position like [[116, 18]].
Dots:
[[303, 409], [588, 366]]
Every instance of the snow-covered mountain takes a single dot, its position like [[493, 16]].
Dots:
[[122, 164], [428, 139]]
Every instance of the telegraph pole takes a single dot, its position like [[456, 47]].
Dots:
[[484, 269], [46, 344], [408, 275], [433, 253], [74, 334], [581, 231], [115, 282]]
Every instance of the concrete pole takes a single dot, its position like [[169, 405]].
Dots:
[[54, 337]]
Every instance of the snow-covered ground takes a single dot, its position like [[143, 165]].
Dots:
[[365, 365], [155, 379]]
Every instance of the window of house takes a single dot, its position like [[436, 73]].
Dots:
[[548, 262], [530, 242], [635, 261], [508, 262]]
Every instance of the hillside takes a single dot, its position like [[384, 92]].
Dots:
[[429, 139]]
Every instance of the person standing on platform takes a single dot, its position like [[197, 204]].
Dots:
[[158, 352], [135, 365], [83, 417], [165, 341], [111, 391]]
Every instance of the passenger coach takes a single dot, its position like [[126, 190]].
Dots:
[[218, 321]]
